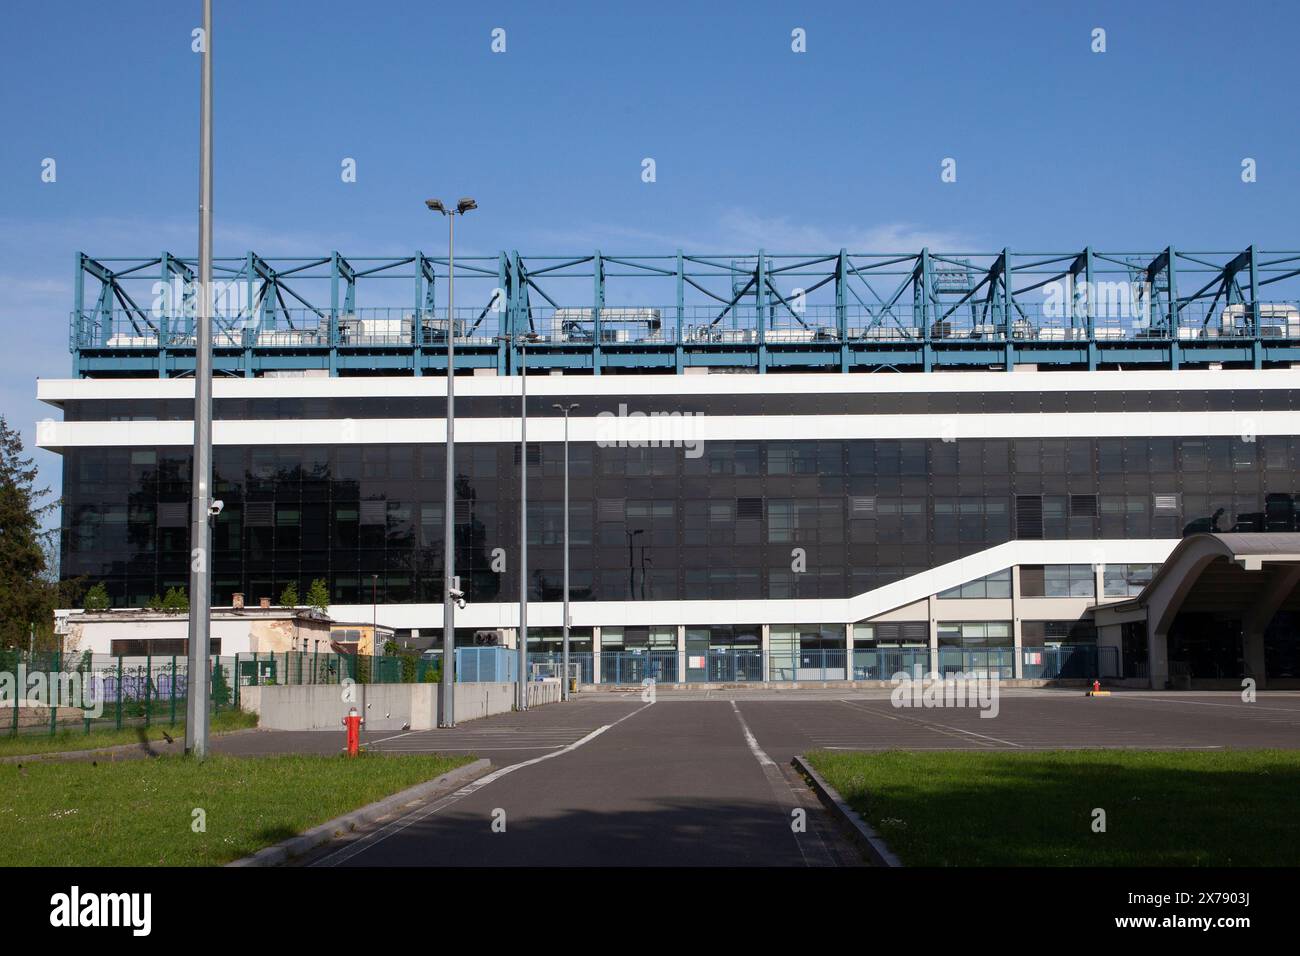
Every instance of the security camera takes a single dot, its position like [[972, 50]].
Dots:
[[458, 596], [215, 508]]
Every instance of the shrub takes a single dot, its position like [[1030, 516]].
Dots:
[[175, 601], [96, 598], [318, 596]]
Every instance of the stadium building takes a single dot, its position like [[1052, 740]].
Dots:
[[804, 467]]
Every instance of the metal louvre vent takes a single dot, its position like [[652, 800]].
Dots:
[[918, 631], [534, 453], [1029, 516], [1083, 506], [463, 512], [1166, 503], [749, 508], [172, 514], [864, 506], [259, 514], [610, 509], [374, 511]]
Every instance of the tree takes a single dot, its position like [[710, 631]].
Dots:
[[318, 596], [289, 596], [175, 601], [26, 596], [97, 598]]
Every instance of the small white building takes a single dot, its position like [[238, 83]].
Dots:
[[137, 632]]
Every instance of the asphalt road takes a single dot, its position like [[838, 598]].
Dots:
[[664, 784], [703, 778]]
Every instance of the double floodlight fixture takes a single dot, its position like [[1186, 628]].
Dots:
[[520, 338], [463, 206]]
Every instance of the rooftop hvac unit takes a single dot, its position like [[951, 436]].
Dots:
[[1276, 320]]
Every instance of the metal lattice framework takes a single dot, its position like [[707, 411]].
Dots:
[[600, 313]]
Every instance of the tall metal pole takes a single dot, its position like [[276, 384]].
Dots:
[[521, 687], [196, 703], [564, 655], [447, 708], [564, 672]]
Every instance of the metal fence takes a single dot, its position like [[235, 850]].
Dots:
[[544, 664], [882, 663], [997, 662], [632, 667], [1065, 661], [52, 692], [734, 664]]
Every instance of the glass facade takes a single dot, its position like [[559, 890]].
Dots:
[[650, 523]]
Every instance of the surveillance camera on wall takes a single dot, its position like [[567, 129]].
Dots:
[[215, 508]]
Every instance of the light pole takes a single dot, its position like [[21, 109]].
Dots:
[[196, 697], [564, 655], [521, 650], [450, 593]]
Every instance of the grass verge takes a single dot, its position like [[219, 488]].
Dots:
[[142, 812], [14, 745], [1162, 808]]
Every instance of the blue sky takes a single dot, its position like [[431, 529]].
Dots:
[[1056, 146]]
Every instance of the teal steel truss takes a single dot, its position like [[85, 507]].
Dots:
[[761, 311]]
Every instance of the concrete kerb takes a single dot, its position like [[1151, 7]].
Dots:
[[286, 850], [140, 748], [862, 832]]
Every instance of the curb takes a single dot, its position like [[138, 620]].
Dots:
[[284, 851], [867, 839], [57, 755]]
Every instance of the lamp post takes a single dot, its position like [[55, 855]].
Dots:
[[564, 654], [521, 651], [446, 708], [200, 618]]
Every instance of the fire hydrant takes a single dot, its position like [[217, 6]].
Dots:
[[353, 722]]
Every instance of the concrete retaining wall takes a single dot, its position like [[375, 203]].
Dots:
[[384, 706]]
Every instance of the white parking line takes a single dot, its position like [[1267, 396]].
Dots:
[[759, 754]]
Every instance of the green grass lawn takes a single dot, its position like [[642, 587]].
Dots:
[[1163, 808], [139, 812], [31, 742]]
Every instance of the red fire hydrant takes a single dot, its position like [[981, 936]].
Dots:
[[1096, 686], [353, 722]]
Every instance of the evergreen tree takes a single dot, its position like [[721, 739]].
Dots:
[[175, 601], [26, 596], [289, 596], [318, 596], [96, 598]]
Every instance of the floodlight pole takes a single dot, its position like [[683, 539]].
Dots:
[[447, 708], [197, 677], [447, 705], [521, 688]]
